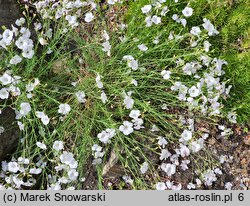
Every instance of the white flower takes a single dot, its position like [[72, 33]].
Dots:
[[191, 186], [162, 142], [89, 17], [170, 169], [166, 74], [104, 97], [4, 94], [106, 135], [44, 118], [105, 35], [128, 180], [154, 128], [186, 136], [31, 86], [156, 40], [198, 182], [64, 109], [25, 108], [126, 128], [194, 91], [143, 47], [228, 186], [184, 164], [6, 79], [164, 10], [138, 123], [209, 177], [73, 174], [232, 117], [176, 86], [106, 47], [13, 167], [15, 60], [80, 95], [2, 130], [67, 158], [156, 20], [165, 154], [185, 152], [132, 63], [20, 22], [20, 125], [42, 41], [58, 145], [148, 21], [177, 187], [112, 2], [209, 27], [72, 20], [28, 53], [218, 171], [134, 82], [187, 11], [7, 36], [206, 46], [41, 145], [146, 9], [144, 168], [183, 22], [161, 186], [195, 30], [135, 114], [98, 81], [35, 171], [128, 102], [196, 146]]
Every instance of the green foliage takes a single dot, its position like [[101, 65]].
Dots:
[[232, 20]]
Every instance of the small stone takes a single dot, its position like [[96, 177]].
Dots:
[[9, 137]]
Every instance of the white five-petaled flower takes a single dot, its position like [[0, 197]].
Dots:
[[128, 101], [145, 9], [6, 79], [187, 11], [80, 95], [161, 186], [126, 128], [89, 17], [194, 91], [58, 145], [144, 168], [44, 118], [4, 94], [25, 108], [41, 145], [15, 60], [170, 169], [166, 74], [135, 114], [13, 167], [98, 81], [186, 136], [143, 47], [64, 109], [106, 135], [195, 30]]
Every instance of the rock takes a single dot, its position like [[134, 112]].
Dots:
[[9, 133], [9, 12]]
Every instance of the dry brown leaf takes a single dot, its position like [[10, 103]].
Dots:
[[113, 159]]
